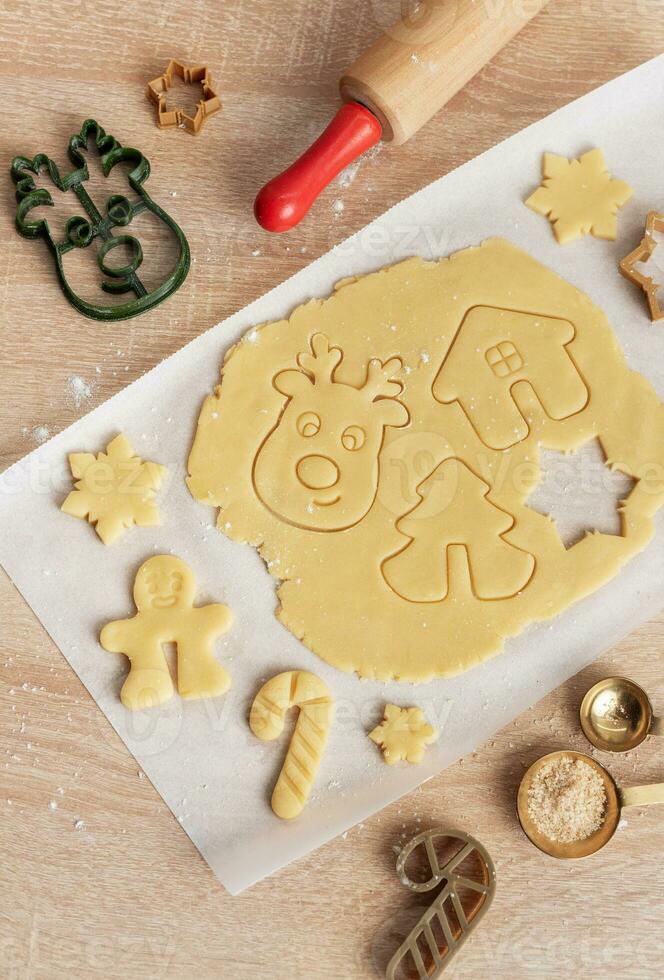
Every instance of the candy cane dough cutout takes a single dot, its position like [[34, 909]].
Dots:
[[294, 688]]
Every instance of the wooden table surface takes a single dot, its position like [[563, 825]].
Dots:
[[126, 894]]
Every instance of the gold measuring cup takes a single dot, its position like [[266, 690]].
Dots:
[[616, 799], [616, 715]]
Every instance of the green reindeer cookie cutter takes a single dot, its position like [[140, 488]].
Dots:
[[82, 230]]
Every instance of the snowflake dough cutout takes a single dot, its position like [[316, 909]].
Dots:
[[579, 197], [645, 265], [115, 489], [403, 734]]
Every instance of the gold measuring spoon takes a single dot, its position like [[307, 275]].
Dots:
[[615, 799], [616, 715]]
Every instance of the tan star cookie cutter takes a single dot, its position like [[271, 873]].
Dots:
[[190, 75], [642, 254]]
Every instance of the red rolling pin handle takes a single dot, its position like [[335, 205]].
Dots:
[[285, 200]]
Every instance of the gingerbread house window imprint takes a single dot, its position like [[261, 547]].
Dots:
[[504, 359]]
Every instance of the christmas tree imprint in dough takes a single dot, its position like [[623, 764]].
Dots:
[[431, 557], [579, 197], [115, 489], [301, 689], [164, 593], [455, 514], [495, 352], [318, 467]]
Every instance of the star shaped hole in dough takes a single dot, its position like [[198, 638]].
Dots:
[[114, 490], [403, 734], [581, 493], [579, 197]]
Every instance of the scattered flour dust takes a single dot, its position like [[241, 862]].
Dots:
[[79, 390], [79, 393], [348, 175], [41, 433]]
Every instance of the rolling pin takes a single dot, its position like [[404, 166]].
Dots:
[[393, 89]]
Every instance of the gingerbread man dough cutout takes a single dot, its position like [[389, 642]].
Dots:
[[164, 592]]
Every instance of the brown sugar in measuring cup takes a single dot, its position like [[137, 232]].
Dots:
[[615, 799]]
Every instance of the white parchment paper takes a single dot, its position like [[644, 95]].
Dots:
[[201, 756]]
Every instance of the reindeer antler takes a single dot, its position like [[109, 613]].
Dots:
[[379, 381], [322, 361]]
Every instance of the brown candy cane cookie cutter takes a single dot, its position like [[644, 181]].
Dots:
[[447, 923]]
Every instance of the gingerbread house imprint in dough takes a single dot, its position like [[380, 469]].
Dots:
[[494, 351]]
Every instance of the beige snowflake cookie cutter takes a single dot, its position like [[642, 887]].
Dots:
[[208, 104], [579, 197], [114, 489], [641, 256], [164, 593], [403, 734], [468, 877]]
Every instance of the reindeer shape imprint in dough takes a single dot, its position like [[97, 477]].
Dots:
[[318, 468]]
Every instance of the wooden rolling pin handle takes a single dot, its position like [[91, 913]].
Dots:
[[285, 200], [416, 67], [393, 89]]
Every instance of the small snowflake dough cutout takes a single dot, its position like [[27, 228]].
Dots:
[[579, 197], [645, 265], [114, 490], [403, 734], [164, 592], [301, 689]]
